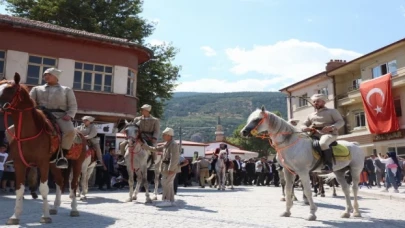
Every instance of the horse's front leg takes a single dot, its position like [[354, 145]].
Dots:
[[59, 182], [334, 188], [289, 178], [130, 183], [157, 174], [223, 179], [231, 177], [144, 180], [20, 180], [307, 190]]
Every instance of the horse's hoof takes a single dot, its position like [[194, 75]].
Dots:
[[286, 214], [34, 195], [357, 214], [53, 211], [148, 201], [155, 198], [134, 197], [74, 214], [232, 188], [323, 195], [334, 195], [83, 198], [282, 199], [219, 189], [312, 218], [128, 200], [13, 221], [77, 195], [345, 215], [315, 195], [45, 220], [223, 189]]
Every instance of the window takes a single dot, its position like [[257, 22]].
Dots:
[[303, 101], [390, 67], [323, 91], [397, 105], [131, 83], [355, 84], [36, 67], [2, 63], [93, 77], [360, 119]]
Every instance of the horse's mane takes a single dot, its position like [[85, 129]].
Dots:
[[38, 115]]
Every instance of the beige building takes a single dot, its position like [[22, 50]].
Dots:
[[299, 107], [341, 82], [388, 59]]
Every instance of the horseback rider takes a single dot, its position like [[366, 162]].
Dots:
[[223, 146], [60, 101], [326, 120], [89, 130], [149, 127]]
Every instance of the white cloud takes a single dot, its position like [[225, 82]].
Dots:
[[291, 59], [220, 86], [156, 42], [208, 51]]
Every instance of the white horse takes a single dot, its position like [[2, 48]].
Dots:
[[229, 175], [220, 170], [295, 153], [87, 170], [136, 159], [157, 159]]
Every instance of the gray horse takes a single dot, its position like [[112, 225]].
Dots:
[[136, 159], [295, 153]]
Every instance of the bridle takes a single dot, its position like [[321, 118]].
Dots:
[[132, 143], [10, 107]]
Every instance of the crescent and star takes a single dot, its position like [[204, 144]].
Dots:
[[371, 92]]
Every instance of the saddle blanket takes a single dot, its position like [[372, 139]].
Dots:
[[340, 152]]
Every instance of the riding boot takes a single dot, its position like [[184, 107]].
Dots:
[[327, 157], [62, 162]]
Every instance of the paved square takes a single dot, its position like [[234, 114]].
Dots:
[[250, 207]]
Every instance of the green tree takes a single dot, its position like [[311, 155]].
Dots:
[[262, 146], [118, 18]]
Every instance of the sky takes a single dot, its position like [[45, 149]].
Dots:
[[265, 45]]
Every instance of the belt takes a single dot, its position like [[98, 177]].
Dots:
[[166, 162]]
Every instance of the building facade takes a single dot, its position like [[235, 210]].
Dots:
[[101, 70], [343, 82], [388, 59]]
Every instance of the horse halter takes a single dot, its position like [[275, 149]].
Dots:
[[14, 101], [254, 131]]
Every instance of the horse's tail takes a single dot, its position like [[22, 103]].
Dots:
[[211, 177], [32, 179], [328, 177]]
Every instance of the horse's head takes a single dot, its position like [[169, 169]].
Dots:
[[10, 92], [257, 123], [222, 155], [132, 131]]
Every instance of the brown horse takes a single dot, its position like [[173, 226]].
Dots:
[[34, 145]]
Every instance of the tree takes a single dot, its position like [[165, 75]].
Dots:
[[262, 146], [118, 18]]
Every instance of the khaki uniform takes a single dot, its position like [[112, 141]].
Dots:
[[170, 162], [204, 172], [57, 97], [150, 129], [90, 133], [322, 118]]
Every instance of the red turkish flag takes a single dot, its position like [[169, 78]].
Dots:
[[379, 105]]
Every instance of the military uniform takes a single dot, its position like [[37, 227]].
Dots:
[[170, 162], [321, 118], [90, 133], [204, 171]]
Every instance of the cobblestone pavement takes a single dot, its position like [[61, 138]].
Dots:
[[243, 207]]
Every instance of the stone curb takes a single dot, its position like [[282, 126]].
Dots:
[[388, 196]]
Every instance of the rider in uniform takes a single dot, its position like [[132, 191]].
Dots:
[[328, 122], [223, 146], [149, 128]]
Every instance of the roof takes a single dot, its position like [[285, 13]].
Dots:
[[368, 54], [188, 143], [224, 141], [27, 23], [304, 80]]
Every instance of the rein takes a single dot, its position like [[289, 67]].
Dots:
[[17, 135], [132, 155], [274, 144]]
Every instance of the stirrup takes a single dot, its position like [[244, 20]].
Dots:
[[64, 166]]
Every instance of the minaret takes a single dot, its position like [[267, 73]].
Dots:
[[219, 132]]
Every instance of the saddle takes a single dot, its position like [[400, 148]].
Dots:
[[339, 151]]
